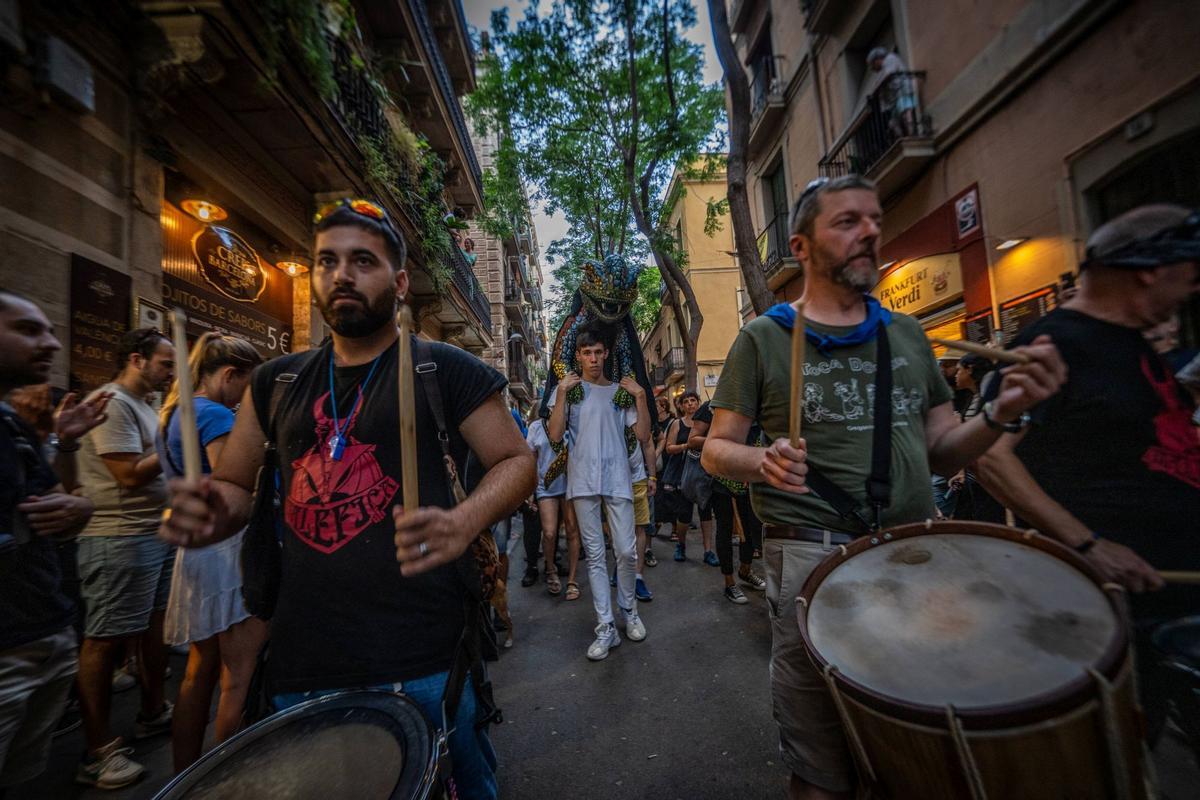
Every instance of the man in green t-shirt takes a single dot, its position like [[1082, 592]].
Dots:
[[835, 231]]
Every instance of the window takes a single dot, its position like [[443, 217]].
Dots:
[[762, 70], [773, 247]]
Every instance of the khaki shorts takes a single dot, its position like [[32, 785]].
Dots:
[[641, 504], [811, 741]]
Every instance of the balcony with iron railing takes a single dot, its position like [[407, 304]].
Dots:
[[463, 278], [772, 242], [889, 140], [767, 102], [676, 362]]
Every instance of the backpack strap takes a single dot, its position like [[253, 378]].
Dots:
[[468, 656]]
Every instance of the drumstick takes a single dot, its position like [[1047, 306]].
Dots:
[[187, 409], [797, 375], [995, 354], [1192, 576], [408, 416]]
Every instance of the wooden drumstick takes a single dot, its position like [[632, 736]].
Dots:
[[797, 375], [994, 353], [186, 407], [1180, 576], [408, 416]]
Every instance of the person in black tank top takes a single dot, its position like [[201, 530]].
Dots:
[[347, 615], [681, 509]]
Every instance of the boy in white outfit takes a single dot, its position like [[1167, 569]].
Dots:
[[598, 474]]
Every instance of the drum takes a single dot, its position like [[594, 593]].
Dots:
[[368, 745], [970, 660]]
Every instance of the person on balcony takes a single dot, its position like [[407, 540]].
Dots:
[[897, 95]]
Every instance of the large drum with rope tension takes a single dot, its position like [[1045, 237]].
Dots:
[[367, 745], [973, 661]]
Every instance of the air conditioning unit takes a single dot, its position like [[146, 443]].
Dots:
[[67, 74]]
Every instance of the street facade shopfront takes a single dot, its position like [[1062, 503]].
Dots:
[[986, 162], [156, 156]]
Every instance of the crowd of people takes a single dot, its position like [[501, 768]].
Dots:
[[280, 560]]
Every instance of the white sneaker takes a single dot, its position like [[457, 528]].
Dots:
[[635, 629], [109, 768], [606, 639]]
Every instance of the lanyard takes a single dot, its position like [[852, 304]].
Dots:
[[337, 442]]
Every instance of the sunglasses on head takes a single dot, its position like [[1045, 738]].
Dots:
[[364, 208]]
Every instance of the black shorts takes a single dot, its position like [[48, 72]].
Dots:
[[671, 507]]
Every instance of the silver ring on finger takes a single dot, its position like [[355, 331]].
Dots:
[[423, 549]]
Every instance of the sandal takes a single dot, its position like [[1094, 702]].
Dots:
[[553, 586], [572, 591]]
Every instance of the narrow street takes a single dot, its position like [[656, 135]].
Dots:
[[684, 715]]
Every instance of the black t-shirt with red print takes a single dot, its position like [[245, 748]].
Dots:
[[346, 616], [1116, 446]]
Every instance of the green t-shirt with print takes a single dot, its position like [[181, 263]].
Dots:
[[839, 405]]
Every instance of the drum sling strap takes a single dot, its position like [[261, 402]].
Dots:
[[879, 483], [468, 654]]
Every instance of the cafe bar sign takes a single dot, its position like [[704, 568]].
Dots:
[[229, 264], [921, 284]]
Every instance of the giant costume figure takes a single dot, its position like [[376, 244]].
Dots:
[[605, 295]]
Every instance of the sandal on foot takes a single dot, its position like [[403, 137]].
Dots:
[[553, 585], [572, 591]]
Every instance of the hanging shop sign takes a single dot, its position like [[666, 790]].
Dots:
[[229, 263], [921, 284], [216, 275], [99, 317]]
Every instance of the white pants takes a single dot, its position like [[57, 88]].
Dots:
[[620, 526]]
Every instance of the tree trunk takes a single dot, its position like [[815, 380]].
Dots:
[[738, 86]]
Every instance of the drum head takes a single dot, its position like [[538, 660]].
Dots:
[[369, 744], [968, 620]]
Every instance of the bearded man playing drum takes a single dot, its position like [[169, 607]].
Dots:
[[347, 615], [1111, 465], [835, 231]]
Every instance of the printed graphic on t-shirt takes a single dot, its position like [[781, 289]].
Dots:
[[1177, 452], [853, 400], [332, 501]]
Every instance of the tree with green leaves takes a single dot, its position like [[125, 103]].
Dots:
[[746, 242], [604, 101]]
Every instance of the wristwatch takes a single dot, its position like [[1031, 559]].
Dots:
[[1020, 424], [57, 444]]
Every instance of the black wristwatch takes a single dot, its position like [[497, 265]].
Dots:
[[1020, 424]]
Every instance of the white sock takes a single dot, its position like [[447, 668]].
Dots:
[[639, 576]]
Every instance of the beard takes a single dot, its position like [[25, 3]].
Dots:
[[859, 272], [354, 322]]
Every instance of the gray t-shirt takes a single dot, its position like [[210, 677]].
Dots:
[[130, 428], [839, 409]]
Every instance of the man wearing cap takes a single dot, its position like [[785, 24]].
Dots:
[[1110, 465]]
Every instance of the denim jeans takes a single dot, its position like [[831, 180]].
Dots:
[[470, 750]]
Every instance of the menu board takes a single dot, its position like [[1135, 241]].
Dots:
[[99, 317], [1020, 312], [979, 328]]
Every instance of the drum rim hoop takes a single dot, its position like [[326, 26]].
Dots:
[[1034, 709], [354, 698]]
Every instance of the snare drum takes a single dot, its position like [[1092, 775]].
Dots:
[[368, 745], [970, 660]]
